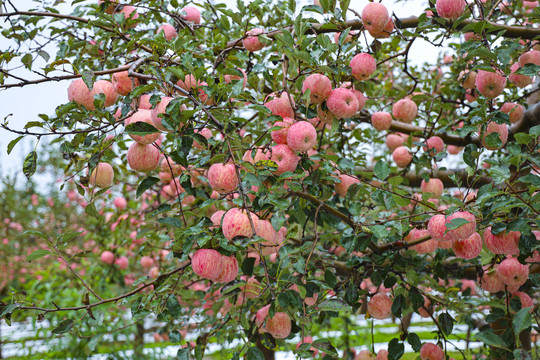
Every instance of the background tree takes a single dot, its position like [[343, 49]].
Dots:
[[257, 174]]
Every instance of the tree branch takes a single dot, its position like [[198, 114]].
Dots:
[[513, 32]]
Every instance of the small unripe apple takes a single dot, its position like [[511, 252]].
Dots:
[[168, 31], [143, 158], [279, 326], [381, 120], [463, 231], [207, 263], [230, 270], [192, 14], [512, 272], [343, 186], [375, 17], [252, 42], [222, 177], [493, 127], [468, 248], [142, 115], [380, 306], [431, 351], [515, 111], [285, 158], [450, 9], [362, 65], [405, 110], [434, 145], [102, 175], [320, 87], [402, 156], [280, 136], [433, 186], [490, 84], [237, 223], [123, 83], [342, 103], [301, 136], [107, 257]]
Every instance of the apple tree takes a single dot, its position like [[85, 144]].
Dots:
[[255, 174]]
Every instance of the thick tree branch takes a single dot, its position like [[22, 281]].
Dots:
[[513, 32]]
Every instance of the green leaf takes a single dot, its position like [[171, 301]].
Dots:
[[247, 265], [491, 339], [382, 170], [522, 320], [254, 353], [351, 294], [397, 305], [171, 221], [35, 233], [37, 254], [523, 138], [90, 209], [396, 349], [146, 184], [325, 346], [415, 342], [27, 60], [30, 164], [182, 354], [140, 128], [334, 305], [173, 306], [88, 77], [12, 144], [447, 323], [63, 327], [175, 336], [456, 223]]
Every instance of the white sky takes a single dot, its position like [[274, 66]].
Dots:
[[26, 103]]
